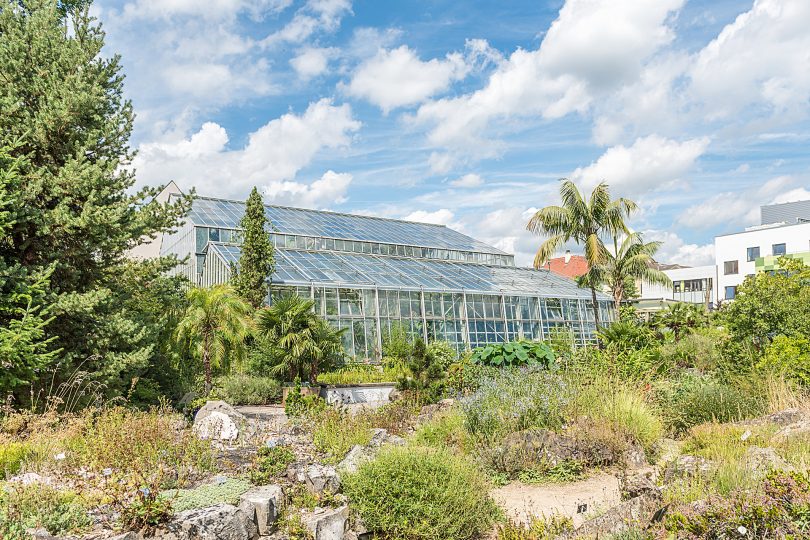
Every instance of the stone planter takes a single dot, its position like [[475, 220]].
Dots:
[[347, 394], [305, 391]]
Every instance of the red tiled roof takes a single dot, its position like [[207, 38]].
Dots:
[[576, 266]]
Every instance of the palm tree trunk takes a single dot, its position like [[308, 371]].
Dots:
[[206, 358], [596, 313]]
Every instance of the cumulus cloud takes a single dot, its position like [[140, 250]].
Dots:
[[312, 61], [649, 163], [592, 47], [274, 154], [398, 77], [315, 16], [442, 216], [329, 190], [468, 181], [675, 250]]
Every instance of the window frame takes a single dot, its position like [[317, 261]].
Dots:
[[736, 268]]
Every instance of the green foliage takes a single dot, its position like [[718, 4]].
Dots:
[[361, 374], [770, 304], [146, 510], [425, 375], [700, 349], [244, 389], [227, 490], [789, 357], [336, 432], [214, 327], [569, 470], [627, 335], [513, 400], [270, 463], [396, 343], [442, 354], [534, 354], [294, 342], [539, 528], [298, 404], [445, 430], [257, 261], [415, 493], [12, 456], [680, 319], [65, 126], [38, 505]]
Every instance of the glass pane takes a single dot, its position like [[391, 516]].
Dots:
[[202, 238]]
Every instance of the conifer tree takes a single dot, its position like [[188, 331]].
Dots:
[[256, 263]]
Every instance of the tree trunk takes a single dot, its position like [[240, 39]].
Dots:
[[206, 358], [596, 314]]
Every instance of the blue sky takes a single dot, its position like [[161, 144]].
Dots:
[[467, 113]]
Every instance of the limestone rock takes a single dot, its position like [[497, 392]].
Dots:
[[263, 505], [320, 478], [635, 485], [637, 511], [688, 466], [217, 420], [29, 478], [326, 523], [765, 459], [218, 522], [787, 417]]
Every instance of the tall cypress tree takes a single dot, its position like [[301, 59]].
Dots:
[[257, 261], [62, 109]]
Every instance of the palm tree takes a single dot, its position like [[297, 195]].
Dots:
[[630, 261], [582, 221], [215, 323], [300, 342]]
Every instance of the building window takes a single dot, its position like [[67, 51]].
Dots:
[[731, 267], [779, 249], [731, 292], [753, 253]]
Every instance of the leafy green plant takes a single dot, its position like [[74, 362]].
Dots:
[[270, 463], [539, 528], [146, 510], [415, 493], [442, 353], [12, 456], [789, 357], [425, 376], [361, 374], [514, 354], [243, 389], [226, 491], [445, 430], [335, 432], [38, 505], [298, 404]]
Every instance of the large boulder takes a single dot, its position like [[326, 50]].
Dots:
[[689, 467], [636, 485], [263, 504], [218, 522], [326, 523], [218, 421], [319, 478], [636, 512], [545, 446], [765, 459]]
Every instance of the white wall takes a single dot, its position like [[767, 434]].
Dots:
[[655, 292], [149, 248], [733, 247]]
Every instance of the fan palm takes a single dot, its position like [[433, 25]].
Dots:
[[301, 343], [583, 221], [631, 260], [215, 325]]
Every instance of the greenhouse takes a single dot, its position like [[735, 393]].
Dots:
[[366, 274]]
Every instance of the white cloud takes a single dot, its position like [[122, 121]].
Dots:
[[213, 9], [734, 209], [443, 216], [505, 229], [396, 78], [312, 61], [675, 251], [592, 47], [759, 59], [273, 155], [216, 81], [330, 189], [651, 162], [315, 16], [468, 181]]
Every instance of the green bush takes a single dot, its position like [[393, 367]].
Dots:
[[12, 456], [270, 463], [513, 400], [442, 353], [415, 493], [445, 430], [246, 389], [37, 505], [228, 491], [691, 399], [699, 349], [335, 432], [515, 354], [361, 374], [298, 404], [789, 357], [425, 375]]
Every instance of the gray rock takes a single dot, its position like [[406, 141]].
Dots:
[[635, 485], [320, 478], [689, 467], [800, 428], [263, 505], [354, 458], [765, 459], [218, 522], [631, 513], [787, 417], [326, 523], [29, 478], [187, 398], [127, 536], [217, 420]]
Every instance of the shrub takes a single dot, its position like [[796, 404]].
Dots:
[[445, 430], [442, 353], [415, 493], [245, 389], [361, 374], [270, 463], [514, 354], [425, 376], [227, 491], [538, 529], [146, 510], [514, 400], [690, 399], [335, 432], [630, 414], [37, 505], [298, 404], [789, 357], [12, 455]]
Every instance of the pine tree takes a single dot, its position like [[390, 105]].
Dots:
[[62, 109], [256, 263]]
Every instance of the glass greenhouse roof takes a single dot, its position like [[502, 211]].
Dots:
[[295, 267], [224, 213]]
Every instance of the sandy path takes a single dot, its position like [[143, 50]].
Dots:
[[577, 500]]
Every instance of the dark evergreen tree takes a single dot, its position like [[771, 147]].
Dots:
[[62, 109], [257, 262]]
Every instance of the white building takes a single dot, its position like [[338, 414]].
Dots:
[[784, 230]]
